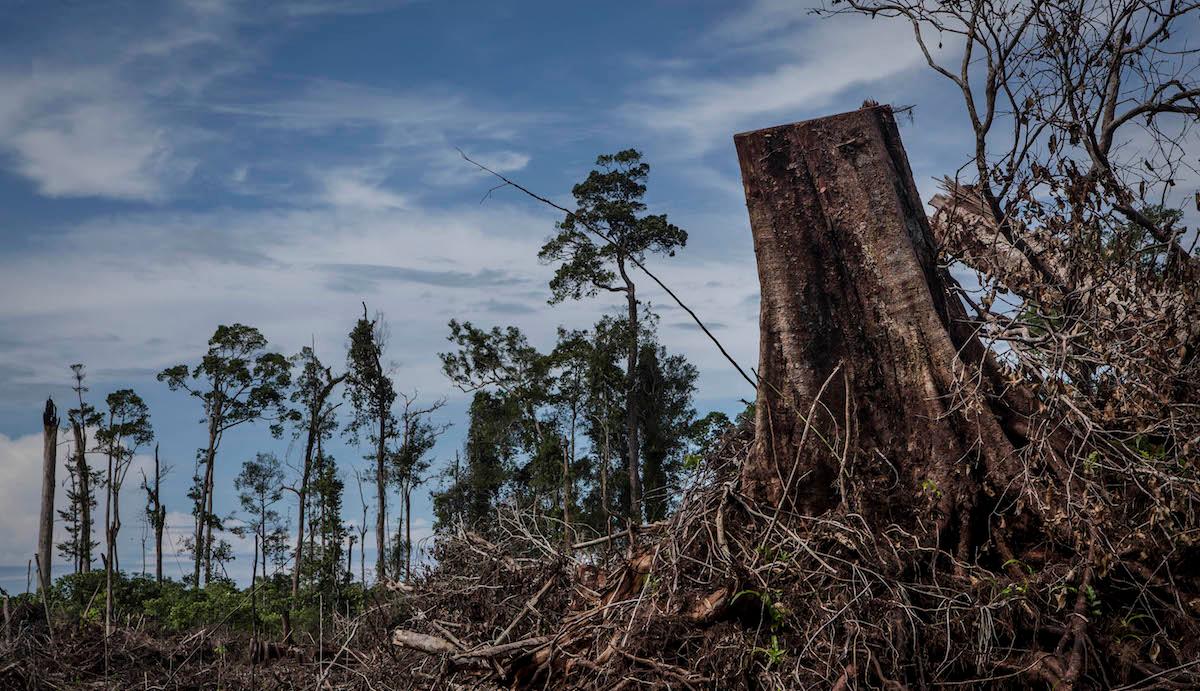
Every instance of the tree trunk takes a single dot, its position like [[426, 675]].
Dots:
[[302, 494], [408, 533], [160, 517], [605, 459], [381, 497], [108, 541], [49, 461], [861, 355], [631, 407], [201, 548], [85, 503]]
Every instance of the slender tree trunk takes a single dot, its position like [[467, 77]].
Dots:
[[859, 336], [108, 540], [73, 490], [566, 493], [381, 498], [86, 492], [160, 517], [408, 546], [202, 506], [208, 523], [116, 515], [302, 495], [631, 405], [49, 463], [253, 578], [605, 460]]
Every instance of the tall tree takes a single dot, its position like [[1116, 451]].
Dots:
[[411, 462], [49, 461], [156, 511], [315, 420], [665, 386], [569, 395], [474, 487], [502, 362], [83, 497], [609, 205], [237, 381], [603, 419], [260, 487], [372, 394], [327, 491], [126, 427]]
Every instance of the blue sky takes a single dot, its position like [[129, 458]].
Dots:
[[167, 167]]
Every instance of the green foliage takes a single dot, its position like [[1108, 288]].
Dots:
[[477, 480], [368, 386], [665, 385], [173, 606], [237, 379], [260, 487], [608, 202]]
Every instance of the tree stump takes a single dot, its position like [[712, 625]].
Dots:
[[862, 359]]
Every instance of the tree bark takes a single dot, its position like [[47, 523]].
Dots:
[[160, 517], [381, 497], [49, 461], [202, 507], [315, 420], [108, 538], [861, 351], [631, 406], [85, 503], [407, 533]]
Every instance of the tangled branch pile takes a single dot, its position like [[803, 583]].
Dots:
[[912, 508]]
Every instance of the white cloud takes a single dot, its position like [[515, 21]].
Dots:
[[812, 61], [80, 133], [20, 495], [96, 149], [406, 117], [359, 188]]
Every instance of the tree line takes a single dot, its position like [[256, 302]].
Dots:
[[597, 432]]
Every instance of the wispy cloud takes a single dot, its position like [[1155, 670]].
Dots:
[[358, 278], [779, 62], [82, 133]]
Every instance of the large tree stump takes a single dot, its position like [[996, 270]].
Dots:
[[861, 360]]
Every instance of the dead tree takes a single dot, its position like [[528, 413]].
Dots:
[[156, 512], [46, 525]]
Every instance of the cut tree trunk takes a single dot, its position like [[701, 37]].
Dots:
[[49, 461], [861, 356]]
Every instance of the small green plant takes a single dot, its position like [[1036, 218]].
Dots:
[[1020, 564], [1093, 600], [772, 554], [930, 487], [774, 654]]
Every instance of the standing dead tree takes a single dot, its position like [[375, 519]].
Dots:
[[46, 523], [156, 511]]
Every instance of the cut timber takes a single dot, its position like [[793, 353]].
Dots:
[[861, 353]]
